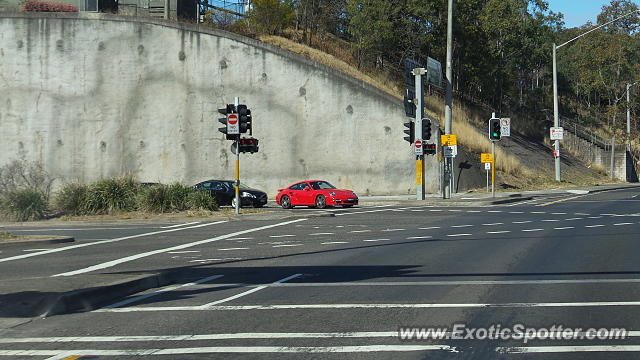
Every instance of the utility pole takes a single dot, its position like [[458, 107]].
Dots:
[[167, 5], [448, 165], [419, 136]]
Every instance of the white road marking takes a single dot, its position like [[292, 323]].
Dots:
[[281, 236], [461, 226], [241, 238], [558, 213], [564, 228], [183, 252], [454, 210], [538, 212], [359, 231], [250, 291], [473, 211], [112, 263], [582, 214], [390, 230], [417, 210], [319, 234], [595, 217], [608, 214], [495, 211], [522, 222], [375, 306], [457, 235], [572, 219], [28, 250], [374, 240], [531, 230], [419, 237], [566, 349], [83, 229], [498, 232], [286, 245], [334, 242], [468, 282], [594, 226], [516, 212], [429, 228], [206, 260], [62, 354], [620, 224], [18, 257], [492, 224], [179, 225], [161, 291], [232, 249], [436, 210], [550, 220]]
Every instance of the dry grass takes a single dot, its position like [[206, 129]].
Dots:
[[6, 236]]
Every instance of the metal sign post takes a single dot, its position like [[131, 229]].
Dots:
[[419, 148], [237, 140], [487, 167], [493, 170]]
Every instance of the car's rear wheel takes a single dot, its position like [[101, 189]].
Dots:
[[285, 202], [321, 202]]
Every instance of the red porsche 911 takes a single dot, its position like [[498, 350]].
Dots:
[[315, 193]]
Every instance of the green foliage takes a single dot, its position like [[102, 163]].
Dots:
[[71, 199], [175, 197], [25, 204], [202, 200], [111, 195], [271, 16]]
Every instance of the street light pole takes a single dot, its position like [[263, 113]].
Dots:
[[556, 120], [629, 116], [448, 103]]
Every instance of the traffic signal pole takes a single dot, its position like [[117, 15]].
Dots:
[[418, 72], [237, 141]]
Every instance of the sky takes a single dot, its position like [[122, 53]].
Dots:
[[578, 12]]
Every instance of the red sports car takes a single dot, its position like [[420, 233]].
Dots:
[[315, 193]]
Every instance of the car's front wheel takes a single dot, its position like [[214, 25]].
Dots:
[[285, 202], [321, 202]]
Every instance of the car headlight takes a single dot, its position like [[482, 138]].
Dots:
[[247, 194], [332, 193]]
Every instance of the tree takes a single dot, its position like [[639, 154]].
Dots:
[[271, 16]]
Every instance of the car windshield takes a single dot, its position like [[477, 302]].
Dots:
[[321, 185], [232, 184]]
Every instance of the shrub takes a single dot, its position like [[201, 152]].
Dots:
[[111, 195], [71, 199], [174, 197], [47, 6], [154, 199], [202, 200], [25, 204], [21, 174]]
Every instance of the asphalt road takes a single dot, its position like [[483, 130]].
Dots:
[[342, 287]]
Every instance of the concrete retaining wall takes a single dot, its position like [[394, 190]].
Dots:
[[592, 153], [96, 95]]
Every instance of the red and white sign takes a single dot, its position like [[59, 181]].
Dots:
[[233, 127], [418, 147]]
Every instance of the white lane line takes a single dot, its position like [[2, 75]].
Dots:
[[473, 211], [417, 210], [112, 263], [161, 291], [390, 230], [550, 220], [359, 231], [233, 249], [62, 354], [608, 214], [429, 228], [582, 214], [320, 234], [375, 306], [461, 226], [492, 224], [572, 219], [495, 211], [594, 226], [620, 224], [281, 236], [516, 212], [467, 282], [240, 238], [207, 260], [28, 250], [18, 257], [538, 212], [179, 225], [419, 237], [567, 349], [522, 222], [286, 245], [250, 291], [334, 242], [595, 217], [558, 213], [531, 230], [498, 232], [183, 252], [458, 235], [454, 210], [564, 228], [436, 210], [375, 240], [83, 229]]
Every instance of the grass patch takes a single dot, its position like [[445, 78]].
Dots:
[[7, 236]]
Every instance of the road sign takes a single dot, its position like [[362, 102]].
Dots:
[[434, 73], [419, 149], [505, 126], [448, 140], [450, 151], [487, 166], [486, 158], [556, 133], [233, 125]]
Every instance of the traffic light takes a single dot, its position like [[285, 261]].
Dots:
[[494, 130], [410, 131], [245, 119], [426, 129], [409, 105], [248, 145], [226, 111]]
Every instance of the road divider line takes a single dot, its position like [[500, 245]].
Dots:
[[251, 291], [281, 236], [532, 230], [233, 249], [179, 225], [498, 232], [567, 349], [621, 224], [561, 200], [594, 226], [419, 237], [374, 240], [18, 257], [457, 235], [467, 282], [123, 260], [161, 291], [493, 224], [286, 245], [564, 228], [461, 226], [334, 242]]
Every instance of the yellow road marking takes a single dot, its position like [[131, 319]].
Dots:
[[72, 357], [561, 200]]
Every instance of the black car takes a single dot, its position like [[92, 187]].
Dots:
[[224, 192]]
